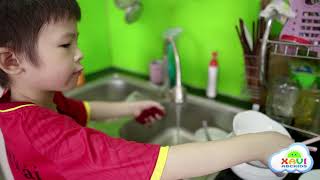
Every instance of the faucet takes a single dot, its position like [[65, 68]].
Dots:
[[177, 93], [277, 9]]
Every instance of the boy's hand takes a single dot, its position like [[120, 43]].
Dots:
[[274, 142], [147, 112]]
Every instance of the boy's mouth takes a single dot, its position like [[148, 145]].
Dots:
[[78, 71]]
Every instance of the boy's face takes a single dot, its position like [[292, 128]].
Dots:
[[58, 56]]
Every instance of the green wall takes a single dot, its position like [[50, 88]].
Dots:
[[208, 25], [93, 39]]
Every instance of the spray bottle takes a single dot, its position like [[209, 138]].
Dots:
[[213, 75]]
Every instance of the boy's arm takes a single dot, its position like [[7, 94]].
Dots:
[[106, 110], [197, 159]]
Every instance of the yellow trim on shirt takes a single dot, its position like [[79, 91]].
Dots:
[[15, 108], [161, 162], [88, 110]]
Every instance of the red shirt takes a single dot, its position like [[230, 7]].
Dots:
[[42, 144]]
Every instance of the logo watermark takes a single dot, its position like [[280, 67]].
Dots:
[[295, 159]]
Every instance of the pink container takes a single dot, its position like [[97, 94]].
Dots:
[[306, 24], [156, 72]]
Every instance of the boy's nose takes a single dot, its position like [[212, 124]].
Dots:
[[78, 56]]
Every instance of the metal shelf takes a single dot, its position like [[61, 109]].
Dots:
[[293, 50]]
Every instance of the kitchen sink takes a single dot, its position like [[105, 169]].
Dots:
[[117, 87], [168, 131], [114, 87], [191, 117]]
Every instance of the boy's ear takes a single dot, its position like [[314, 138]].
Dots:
[[9, 62]]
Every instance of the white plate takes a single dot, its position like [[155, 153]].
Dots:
[[249, 172], [253, 122], [311, 175], [214, 133]]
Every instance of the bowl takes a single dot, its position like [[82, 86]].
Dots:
[[249, 172], [214, 133], [311, 175], [254, 122]]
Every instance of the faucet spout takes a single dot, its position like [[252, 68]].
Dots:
[[178, 94]]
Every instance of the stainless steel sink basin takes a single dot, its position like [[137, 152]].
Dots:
[[191, 118], [117, 87], [174, 136], [113, 87]]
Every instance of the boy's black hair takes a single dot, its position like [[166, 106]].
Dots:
[[22, 20]]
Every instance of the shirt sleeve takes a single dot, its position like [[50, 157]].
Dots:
[[78, 110], [85, 153]]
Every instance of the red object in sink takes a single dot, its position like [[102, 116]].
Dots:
[[143, 118]]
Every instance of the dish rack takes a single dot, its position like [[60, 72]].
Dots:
[[305, 25]]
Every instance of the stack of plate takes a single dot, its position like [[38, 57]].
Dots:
[[254, 122]]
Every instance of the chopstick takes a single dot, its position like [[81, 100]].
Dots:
[[312, 140], [257, 39], [243, 43], [243, 35], [257, 33], [238, 32], [254, 36], [312, 149]]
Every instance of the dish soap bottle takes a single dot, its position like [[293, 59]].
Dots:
[[213, 75]]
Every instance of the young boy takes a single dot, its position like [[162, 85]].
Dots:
[[45, 132]]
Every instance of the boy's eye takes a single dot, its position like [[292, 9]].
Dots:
[[65, 45]]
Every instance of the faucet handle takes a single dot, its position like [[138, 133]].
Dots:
[[178, 94]]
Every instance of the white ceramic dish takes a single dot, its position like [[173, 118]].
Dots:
[[214, 133], [253, 122], [311, 175], [249, 172]]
